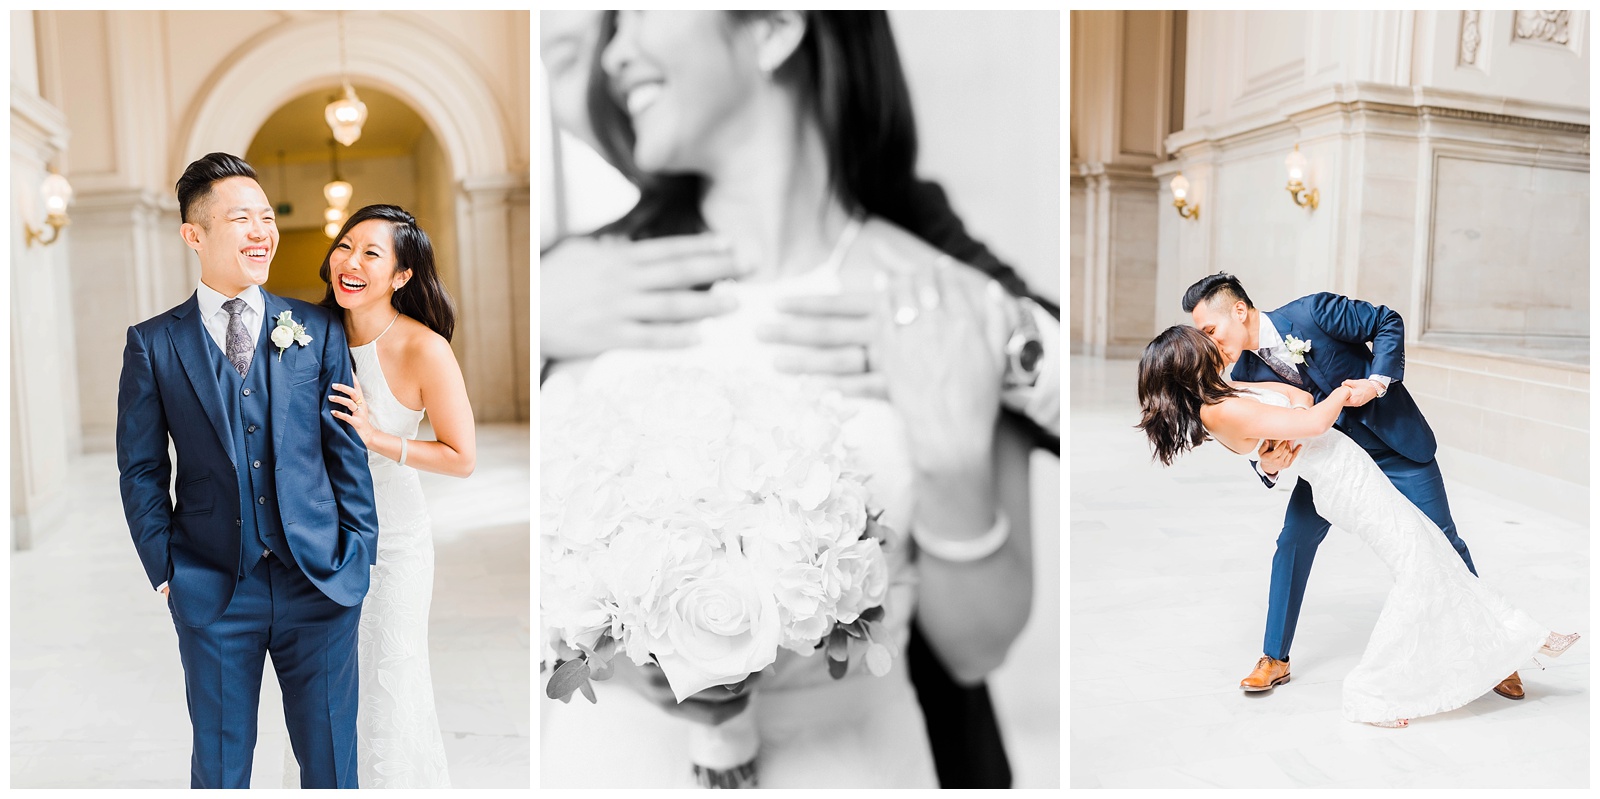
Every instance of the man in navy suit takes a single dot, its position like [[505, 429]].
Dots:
[[264, 541], [1319, 343]]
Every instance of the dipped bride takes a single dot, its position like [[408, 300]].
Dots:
[[1444, 638]]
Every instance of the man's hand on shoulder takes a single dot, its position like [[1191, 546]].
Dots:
[[598, 295]]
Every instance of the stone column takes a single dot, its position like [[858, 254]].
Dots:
[[1121, 109], [493, 215], [44, 387]]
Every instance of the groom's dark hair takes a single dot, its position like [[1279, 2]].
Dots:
[[195, 185], [1209, 287]]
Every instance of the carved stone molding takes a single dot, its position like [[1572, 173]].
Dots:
[[1544, 26], [1471, 36], [1501, 119]]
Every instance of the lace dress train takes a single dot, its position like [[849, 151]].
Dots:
[[1443, 638]]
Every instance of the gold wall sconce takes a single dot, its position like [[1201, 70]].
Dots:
[[1297, 190], [57, 194], [1180, 198]]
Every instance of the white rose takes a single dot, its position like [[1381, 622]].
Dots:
[[723, 627], [282, 337]]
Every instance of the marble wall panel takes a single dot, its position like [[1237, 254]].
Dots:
[[1504, 260]]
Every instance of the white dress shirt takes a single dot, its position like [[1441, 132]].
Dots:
[[216, 319]]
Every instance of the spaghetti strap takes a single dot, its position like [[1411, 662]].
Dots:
[[391, 324], [847, 237]]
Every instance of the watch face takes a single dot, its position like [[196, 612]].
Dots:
[[1029, 357]]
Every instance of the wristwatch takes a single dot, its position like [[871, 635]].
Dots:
[[1025, 348]]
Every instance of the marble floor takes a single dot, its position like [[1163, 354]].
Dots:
[[97, 689], [1168, 598]]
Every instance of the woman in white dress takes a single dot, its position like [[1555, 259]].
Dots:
[[398, 318], [1444, 638], [790, 134]]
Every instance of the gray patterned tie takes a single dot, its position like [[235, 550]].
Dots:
[[238, 341], [1284, 370]]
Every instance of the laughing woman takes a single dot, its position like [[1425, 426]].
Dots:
[[398, 317]]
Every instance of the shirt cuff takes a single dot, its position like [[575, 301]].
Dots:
[[1381, 379], [1041, 401], [1270, 478], [162, 586]]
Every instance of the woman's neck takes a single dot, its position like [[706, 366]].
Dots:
[[768, 192], [362, 325]]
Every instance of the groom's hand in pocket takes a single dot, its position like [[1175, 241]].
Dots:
[[599, 295]]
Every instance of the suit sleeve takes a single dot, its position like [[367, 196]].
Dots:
[[1359, 322], [346, 455], [143, 467]]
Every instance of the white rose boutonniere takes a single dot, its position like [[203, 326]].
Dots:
[[287, 332], [1297, 349]]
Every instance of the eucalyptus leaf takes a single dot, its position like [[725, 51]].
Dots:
[[605, 646], [838, 645], [588, 692], [854, 629], [569, 676], [837, 668], [874, 613]]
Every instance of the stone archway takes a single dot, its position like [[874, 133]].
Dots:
[[429, 74]]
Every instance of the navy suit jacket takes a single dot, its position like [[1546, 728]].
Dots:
[[324, 488], [1340, 330]]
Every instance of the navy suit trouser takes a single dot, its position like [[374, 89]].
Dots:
[[1303, 531], [312, 639]]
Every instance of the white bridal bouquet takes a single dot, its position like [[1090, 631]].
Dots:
[[702, 519]]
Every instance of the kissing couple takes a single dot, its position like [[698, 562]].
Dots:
[[1318, 383], [295, 524]]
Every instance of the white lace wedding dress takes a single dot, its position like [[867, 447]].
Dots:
[[1444, 638], [860, 731], [399, 744]]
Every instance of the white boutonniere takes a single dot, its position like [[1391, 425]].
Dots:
[[1297, 349], [287, 332]]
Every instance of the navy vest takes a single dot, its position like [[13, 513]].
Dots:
[[247, 410]]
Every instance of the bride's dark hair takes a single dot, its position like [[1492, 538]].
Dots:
[[1180, 372], [423, 297], [847, 73]]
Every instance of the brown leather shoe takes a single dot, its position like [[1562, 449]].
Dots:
[[1269, 674], [1510, 687]]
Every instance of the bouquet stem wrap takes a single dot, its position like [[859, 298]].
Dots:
[[724, 755]]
